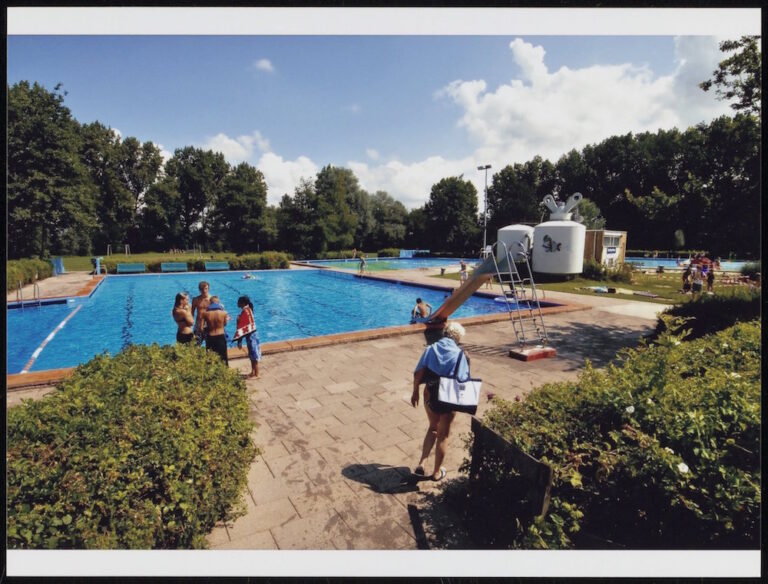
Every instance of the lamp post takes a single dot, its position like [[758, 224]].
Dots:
[[485, 213]]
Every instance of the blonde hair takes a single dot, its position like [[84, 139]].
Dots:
[[454, 330]]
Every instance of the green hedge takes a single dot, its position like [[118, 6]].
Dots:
[[389, 252], [751, 269], [145, 450], [25, 271], [594, 270], [660, 451], [709, 314], [268, 260]]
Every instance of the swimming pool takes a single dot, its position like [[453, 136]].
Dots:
[[728, 266], [288, 304], [380, 264]]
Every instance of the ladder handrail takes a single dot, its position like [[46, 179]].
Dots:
[[534, 293], [512, 266], [20, 295], [517, 287]]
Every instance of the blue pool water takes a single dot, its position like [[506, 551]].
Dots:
[[732, 266], [379, 264], [288, 304]]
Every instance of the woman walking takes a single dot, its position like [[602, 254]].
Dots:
[[439, 359]]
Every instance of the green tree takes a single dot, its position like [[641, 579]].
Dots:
[[161, 223], [516, 193], [298, 230], [140, 166], [199, 175], [589, 213], [416, 229], [101, 153], [335, 187], [451, 214], [390, 219], [238, 218], [49, 192], [739, 76]]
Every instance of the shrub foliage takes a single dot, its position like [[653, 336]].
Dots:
[[709, 314], [658, 451], [24, 271], [267, 260], [144, 450]]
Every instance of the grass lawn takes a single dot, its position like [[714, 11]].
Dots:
[[83, 263], [665, 286]]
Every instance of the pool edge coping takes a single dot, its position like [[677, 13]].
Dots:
[[18, 381], [84, 292]]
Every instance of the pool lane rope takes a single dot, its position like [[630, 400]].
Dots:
[[48, 339]]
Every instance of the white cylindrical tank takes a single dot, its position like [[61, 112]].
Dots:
[[510, 236], [558, 247]]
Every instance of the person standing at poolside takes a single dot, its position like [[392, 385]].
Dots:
[[216, 318], [696, 282], [710, 279], [362, 264], [199, 304], [182, 314], [246, 329], [463, 271]]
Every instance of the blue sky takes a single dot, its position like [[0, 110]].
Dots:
[[401, 111]]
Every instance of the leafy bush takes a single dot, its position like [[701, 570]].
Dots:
[[26, 271], [709, 314], [659, 451], [751, 269], [267, 260], [621, 273], [342, 255], [593, 270], [144, 450], [389, 252]]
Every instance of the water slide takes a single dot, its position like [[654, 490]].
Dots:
[[482, 274]]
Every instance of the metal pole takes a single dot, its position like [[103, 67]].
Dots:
[[485, 212]]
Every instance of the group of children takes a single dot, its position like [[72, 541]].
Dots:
[[205, 318], [694, 277]]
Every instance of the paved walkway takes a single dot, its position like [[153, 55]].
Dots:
[[338, 434]]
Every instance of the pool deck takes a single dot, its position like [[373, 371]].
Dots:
[[338, 434]]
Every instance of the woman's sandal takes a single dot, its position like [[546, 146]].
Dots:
[[443, 472]]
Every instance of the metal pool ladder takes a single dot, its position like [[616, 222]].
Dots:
[[532, 329]]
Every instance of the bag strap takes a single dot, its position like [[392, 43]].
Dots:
[[458, 362]]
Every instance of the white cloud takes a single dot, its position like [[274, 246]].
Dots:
[[409, 183], [239, 149], [540, 113], [283, 176], [263, 65], [549, 113], [354, 108], [117, 133], [164, 154]]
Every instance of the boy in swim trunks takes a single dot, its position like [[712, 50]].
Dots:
[[215, 318], [422, 309], [199, 304]]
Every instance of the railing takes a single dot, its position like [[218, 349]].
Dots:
[[20, 295], [36, 293]]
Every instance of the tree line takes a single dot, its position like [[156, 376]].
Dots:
[[74, 188]]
